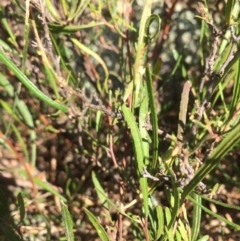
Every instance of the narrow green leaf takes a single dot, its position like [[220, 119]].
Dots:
[[144, 189], [99, 115], [154, 119], [67, 221], [21, 206], [77, 9], [235, 12], [6, 85], [223, 85], [52, 10], [222, 204], [236, 91], [182, 231], [143, 119], [149, 36], [219, 217], [178, 236], [8, 109], [99, 228], [100, 192], [139, 153], [229, 67], [169, 234], [6, 26], [137, 141], [178, 63], [175, 198], [140, 54], [65, 7], [168, 215], [228, 10], [50, 75], [156, 68], [46, 186], [25, 114], [67, 29], [175, 207], [196, 217], [28, 84], [224, 50], [160, 222]]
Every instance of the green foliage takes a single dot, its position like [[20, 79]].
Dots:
[[110, 115], [28, 83], [68, 223]]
